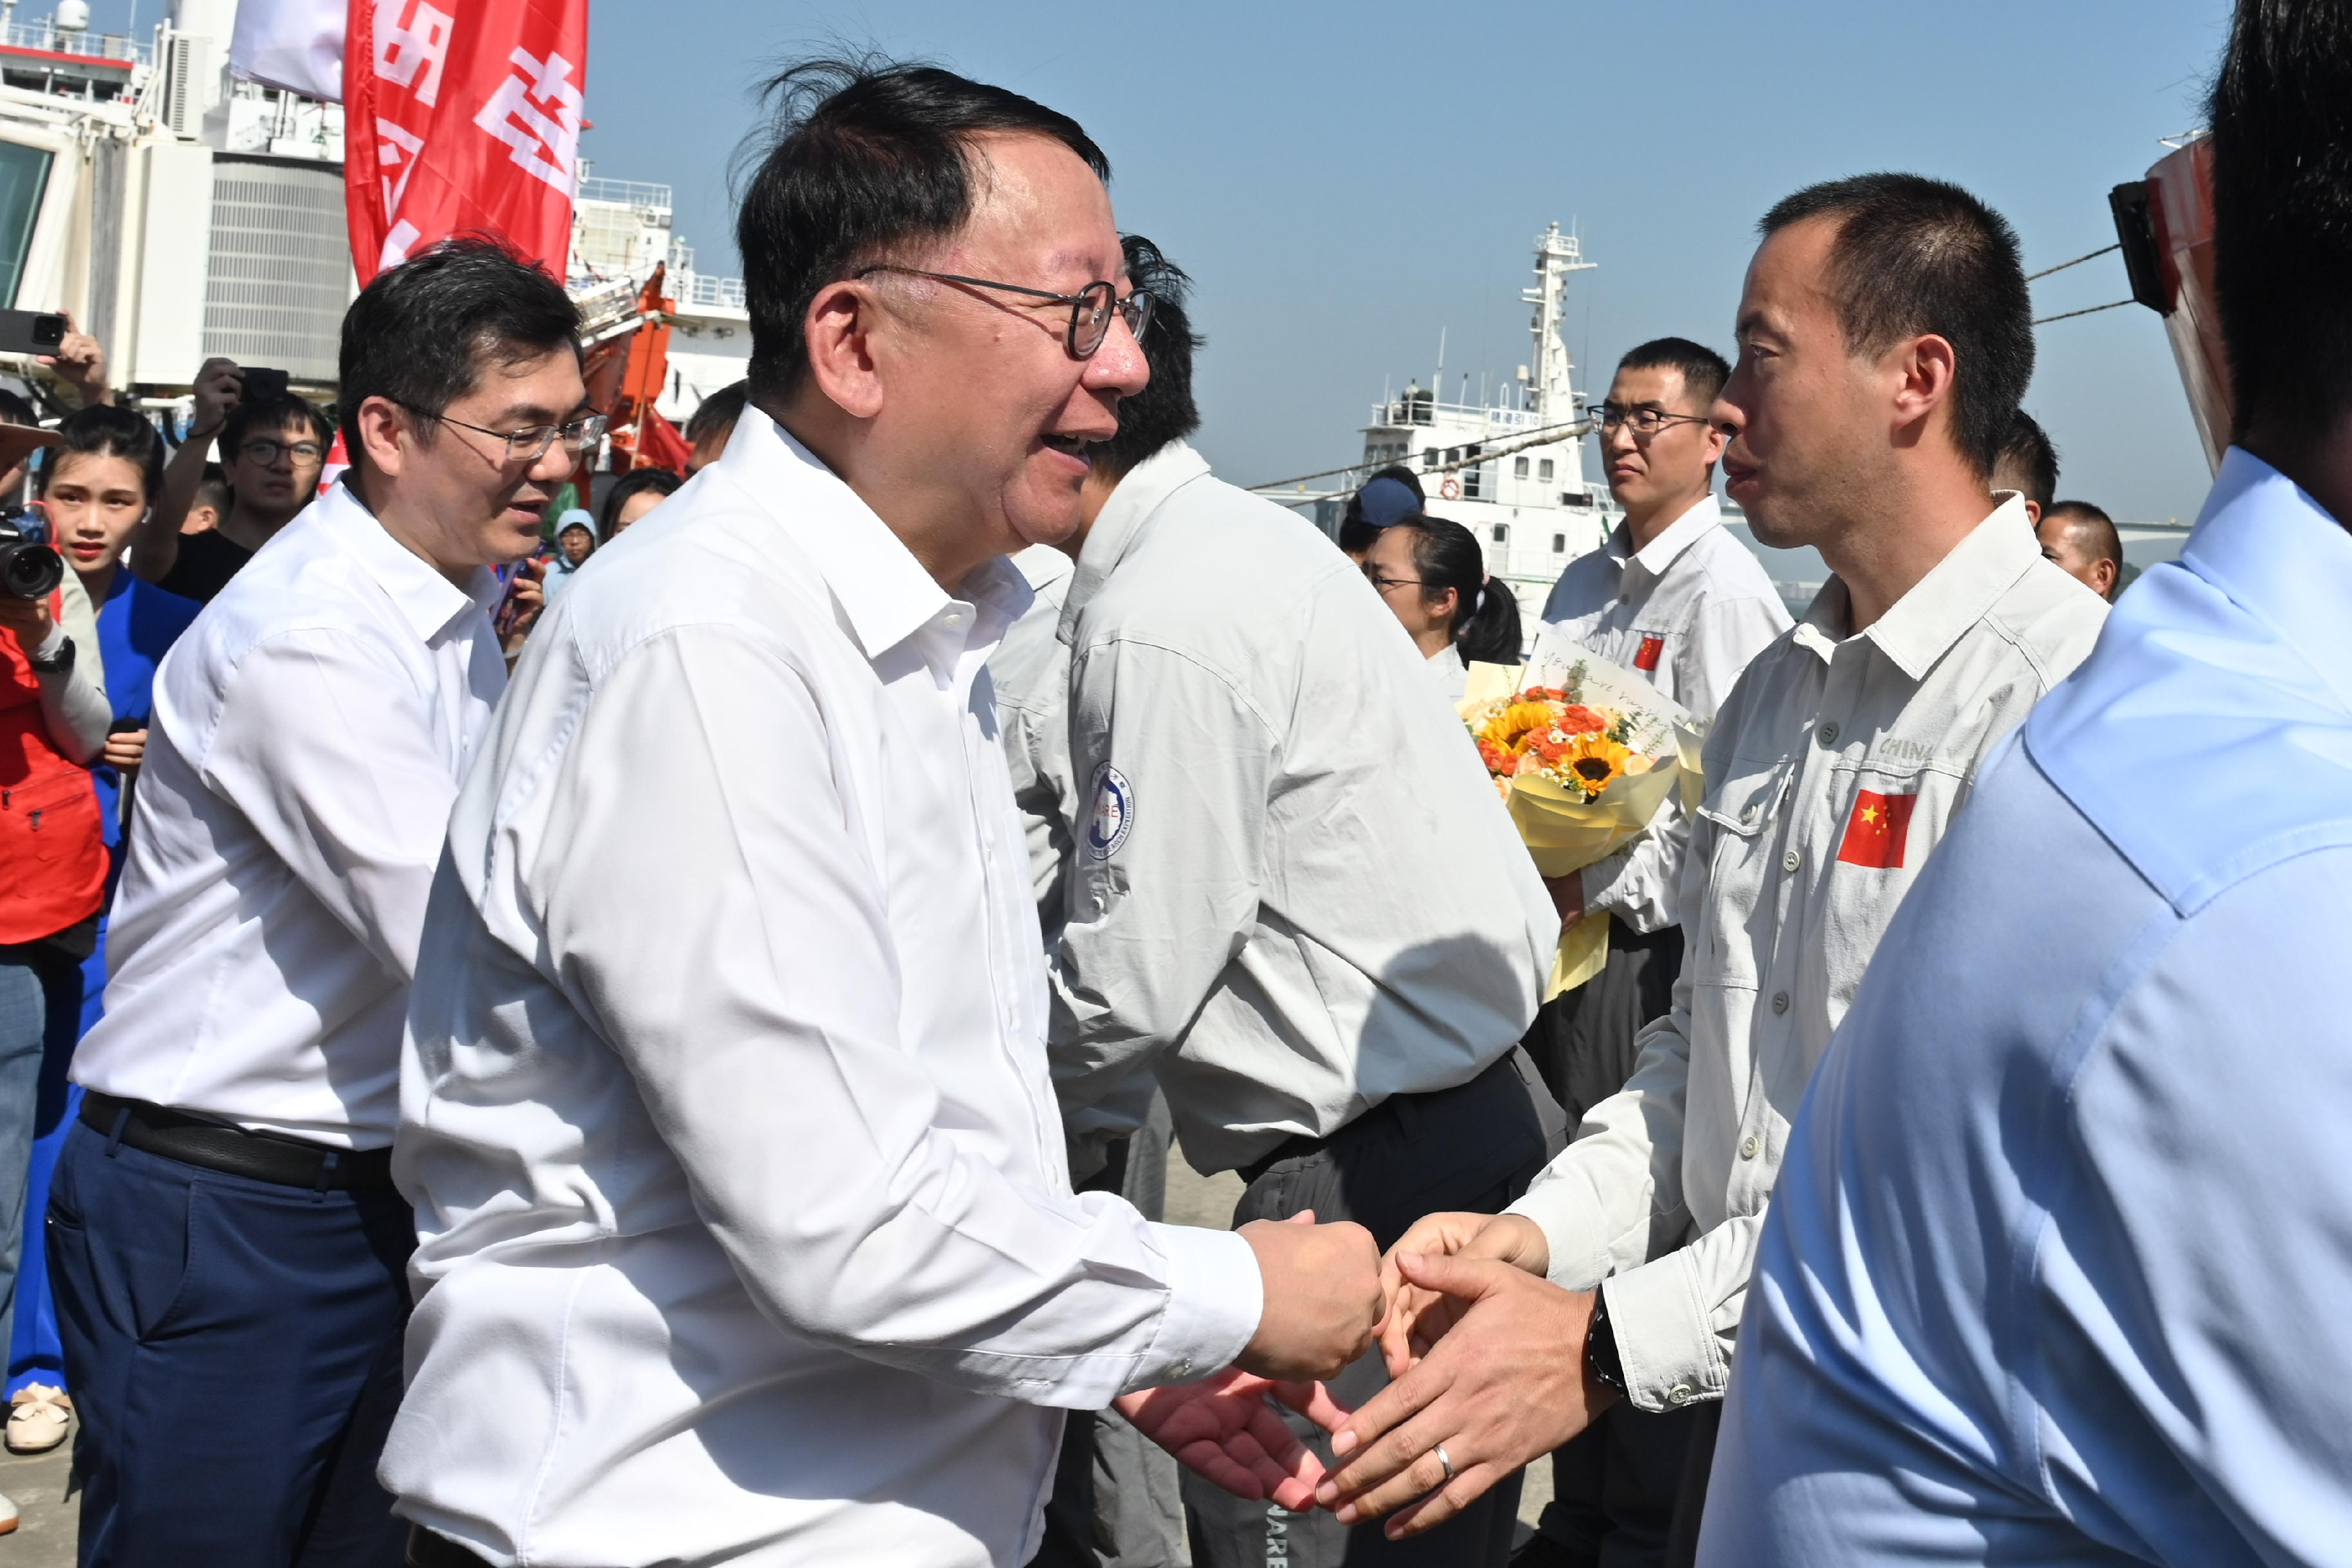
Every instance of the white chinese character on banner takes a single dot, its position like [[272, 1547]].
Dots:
[[411, 41], [519, 115], [395, 160]]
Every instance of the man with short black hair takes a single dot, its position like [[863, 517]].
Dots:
[[2028, 464], [228, 1246], [1114, 1493], [1884, 337], [2057, 1269], [272, 451], [2082, 541], [711, 422], [746, 1229], [1292, 900], [1673, 596]]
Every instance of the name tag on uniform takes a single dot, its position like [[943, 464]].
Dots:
[[1113, 812], [1646, 658]]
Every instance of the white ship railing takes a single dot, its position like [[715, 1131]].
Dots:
[[47, 37], [726, 293], [1417, 413], [635, 194]]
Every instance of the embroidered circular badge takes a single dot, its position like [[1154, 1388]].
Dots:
[[1113, 814]]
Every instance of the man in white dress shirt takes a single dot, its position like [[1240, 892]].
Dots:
[[1884, 338], [1676, 597], [746, 1232], [227, 1240]]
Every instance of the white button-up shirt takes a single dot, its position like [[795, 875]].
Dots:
[[745, 1231], [1832, 770], [1688, 610], [309, 732], [1295, 892], [1031, 673]]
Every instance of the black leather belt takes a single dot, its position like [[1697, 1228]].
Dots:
[[217, 1147]]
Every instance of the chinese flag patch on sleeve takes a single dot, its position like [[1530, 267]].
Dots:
[[1646, 658], [1876, 832]]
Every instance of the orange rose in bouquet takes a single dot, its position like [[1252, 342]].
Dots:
[[1583, 754]]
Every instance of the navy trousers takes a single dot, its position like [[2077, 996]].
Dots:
[[234, 1351]]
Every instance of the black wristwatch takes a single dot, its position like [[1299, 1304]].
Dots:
[[59, 665], [1600, 1345]]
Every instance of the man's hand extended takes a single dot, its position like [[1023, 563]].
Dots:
[[1223, 1428], [1322, 1293], [1417, 1318], [1506, 1383]]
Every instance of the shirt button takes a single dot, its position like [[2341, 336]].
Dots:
[[1749, 815], [1792, 861], [1780, 1001], [1680, 1393], [1829, 735], [1747, 1147]]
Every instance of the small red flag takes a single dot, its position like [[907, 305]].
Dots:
[[1876, 832], [1647, 658]]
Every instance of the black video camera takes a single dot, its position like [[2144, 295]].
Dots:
[[29, 569]]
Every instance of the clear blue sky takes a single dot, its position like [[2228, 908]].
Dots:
[[1343, 180]]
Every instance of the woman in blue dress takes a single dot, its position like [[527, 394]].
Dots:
[[97, 484]]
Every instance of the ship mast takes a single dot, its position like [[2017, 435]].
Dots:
[[1557, 255]]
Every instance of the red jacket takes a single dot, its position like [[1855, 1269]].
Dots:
[[52, 843]]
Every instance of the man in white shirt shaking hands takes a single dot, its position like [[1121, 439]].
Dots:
[[746, 1233]]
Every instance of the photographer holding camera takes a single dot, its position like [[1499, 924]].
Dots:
[[53, 722], [273, 446]]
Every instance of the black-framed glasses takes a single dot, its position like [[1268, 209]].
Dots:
[[1646, 422], [264, 451], [1382, 584], [529, 444], [1090, 308]]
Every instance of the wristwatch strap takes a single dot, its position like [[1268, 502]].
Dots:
[[1600, 1345], [57, 663]]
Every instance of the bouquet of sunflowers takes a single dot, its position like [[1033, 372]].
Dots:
[[1583, 754]]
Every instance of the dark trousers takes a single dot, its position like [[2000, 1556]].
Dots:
[[1614, 1485], [235, 1347], [1471, 1148]]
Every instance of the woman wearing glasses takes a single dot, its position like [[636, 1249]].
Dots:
[[1432, 577], [272, 448]]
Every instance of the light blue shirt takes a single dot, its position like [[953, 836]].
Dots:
[[2061, 1259]]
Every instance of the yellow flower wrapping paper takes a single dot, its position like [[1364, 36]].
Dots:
[[1563, 830]]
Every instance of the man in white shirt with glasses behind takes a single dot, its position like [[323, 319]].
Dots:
[[228, 1244]]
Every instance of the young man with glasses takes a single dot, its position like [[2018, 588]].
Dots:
[[229, 1247], [747, 1233], [1675, 596], [272, 449]]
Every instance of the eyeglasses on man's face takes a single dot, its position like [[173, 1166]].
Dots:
[[1644, 423], [529, 444], [1091, 307], [265, 452]]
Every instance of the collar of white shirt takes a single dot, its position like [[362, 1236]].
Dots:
[[427, 600], [884, 592], [1662, 553], [1955, 595], [1117, 525]]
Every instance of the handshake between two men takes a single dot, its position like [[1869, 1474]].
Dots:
[[1485, 1356]]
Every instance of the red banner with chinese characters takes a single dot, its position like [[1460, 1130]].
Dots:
[[462, 119]]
